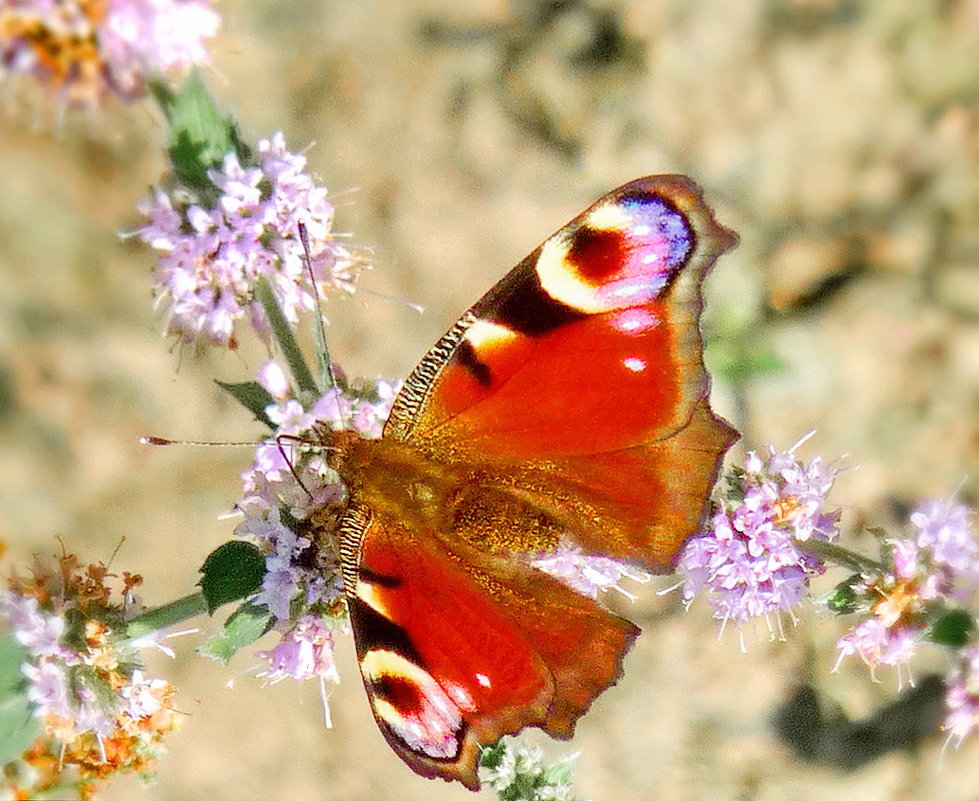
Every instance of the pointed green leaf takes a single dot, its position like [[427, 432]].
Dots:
[[200, 134], [245, 626], [231, 572], [253, 396], [18, 725], [324, 364]]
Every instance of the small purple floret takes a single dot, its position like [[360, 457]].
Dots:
[[748, 563]]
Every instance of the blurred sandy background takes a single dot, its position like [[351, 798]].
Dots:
[[839, 137]]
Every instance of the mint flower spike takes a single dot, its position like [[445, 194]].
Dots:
[[925, 590], [288, 492], [95, 711], [749, 563], [82, 51], [215, 250]]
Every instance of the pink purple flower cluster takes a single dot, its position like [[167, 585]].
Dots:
[[83, 677], [214, 252], [748, 563], [290, 477], [936, 567], [84, 50], [925, 576], [49, 684], [76, 708], [305, 651]]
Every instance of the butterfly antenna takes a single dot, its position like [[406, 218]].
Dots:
[[151, 440], [279, 438], [323, 354]]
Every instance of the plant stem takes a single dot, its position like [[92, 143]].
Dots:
[[324, 364], [837, 554], [286, 340], [167, 615]]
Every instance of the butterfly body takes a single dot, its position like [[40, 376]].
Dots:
[[569, 406]]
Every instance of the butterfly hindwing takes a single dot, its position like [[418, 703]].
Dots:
[[456, 648], [635, 504]]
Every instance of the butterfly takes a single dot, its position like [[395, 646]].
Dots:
[[568, 406]]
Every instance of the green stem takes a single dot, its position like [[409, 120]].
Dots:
[[286, 339], [324, 364], [841, 556], [167, 615]]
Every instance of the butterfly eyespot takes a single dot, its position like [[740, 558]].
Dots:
[[622, 255], [413, 705]]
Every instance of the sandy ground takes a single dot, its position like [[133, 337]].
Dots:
[[838, 137]]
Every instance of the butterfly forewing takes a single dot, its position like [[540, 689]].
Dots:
[[590, 344]]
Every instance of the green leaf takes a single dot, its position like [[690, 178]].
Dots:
[[231, 572], [491, 756], [253, 396], [953, 629], [18, 725], [844, 599], [200, 135], [247, 624], [324, 364]]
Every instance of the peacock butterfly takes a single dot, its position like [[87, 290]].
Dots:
[[569, 405]]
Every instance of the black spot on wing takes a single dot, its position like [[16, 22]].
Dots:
[[466, 357], [521, 304], [374, 631], [378, 579]]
